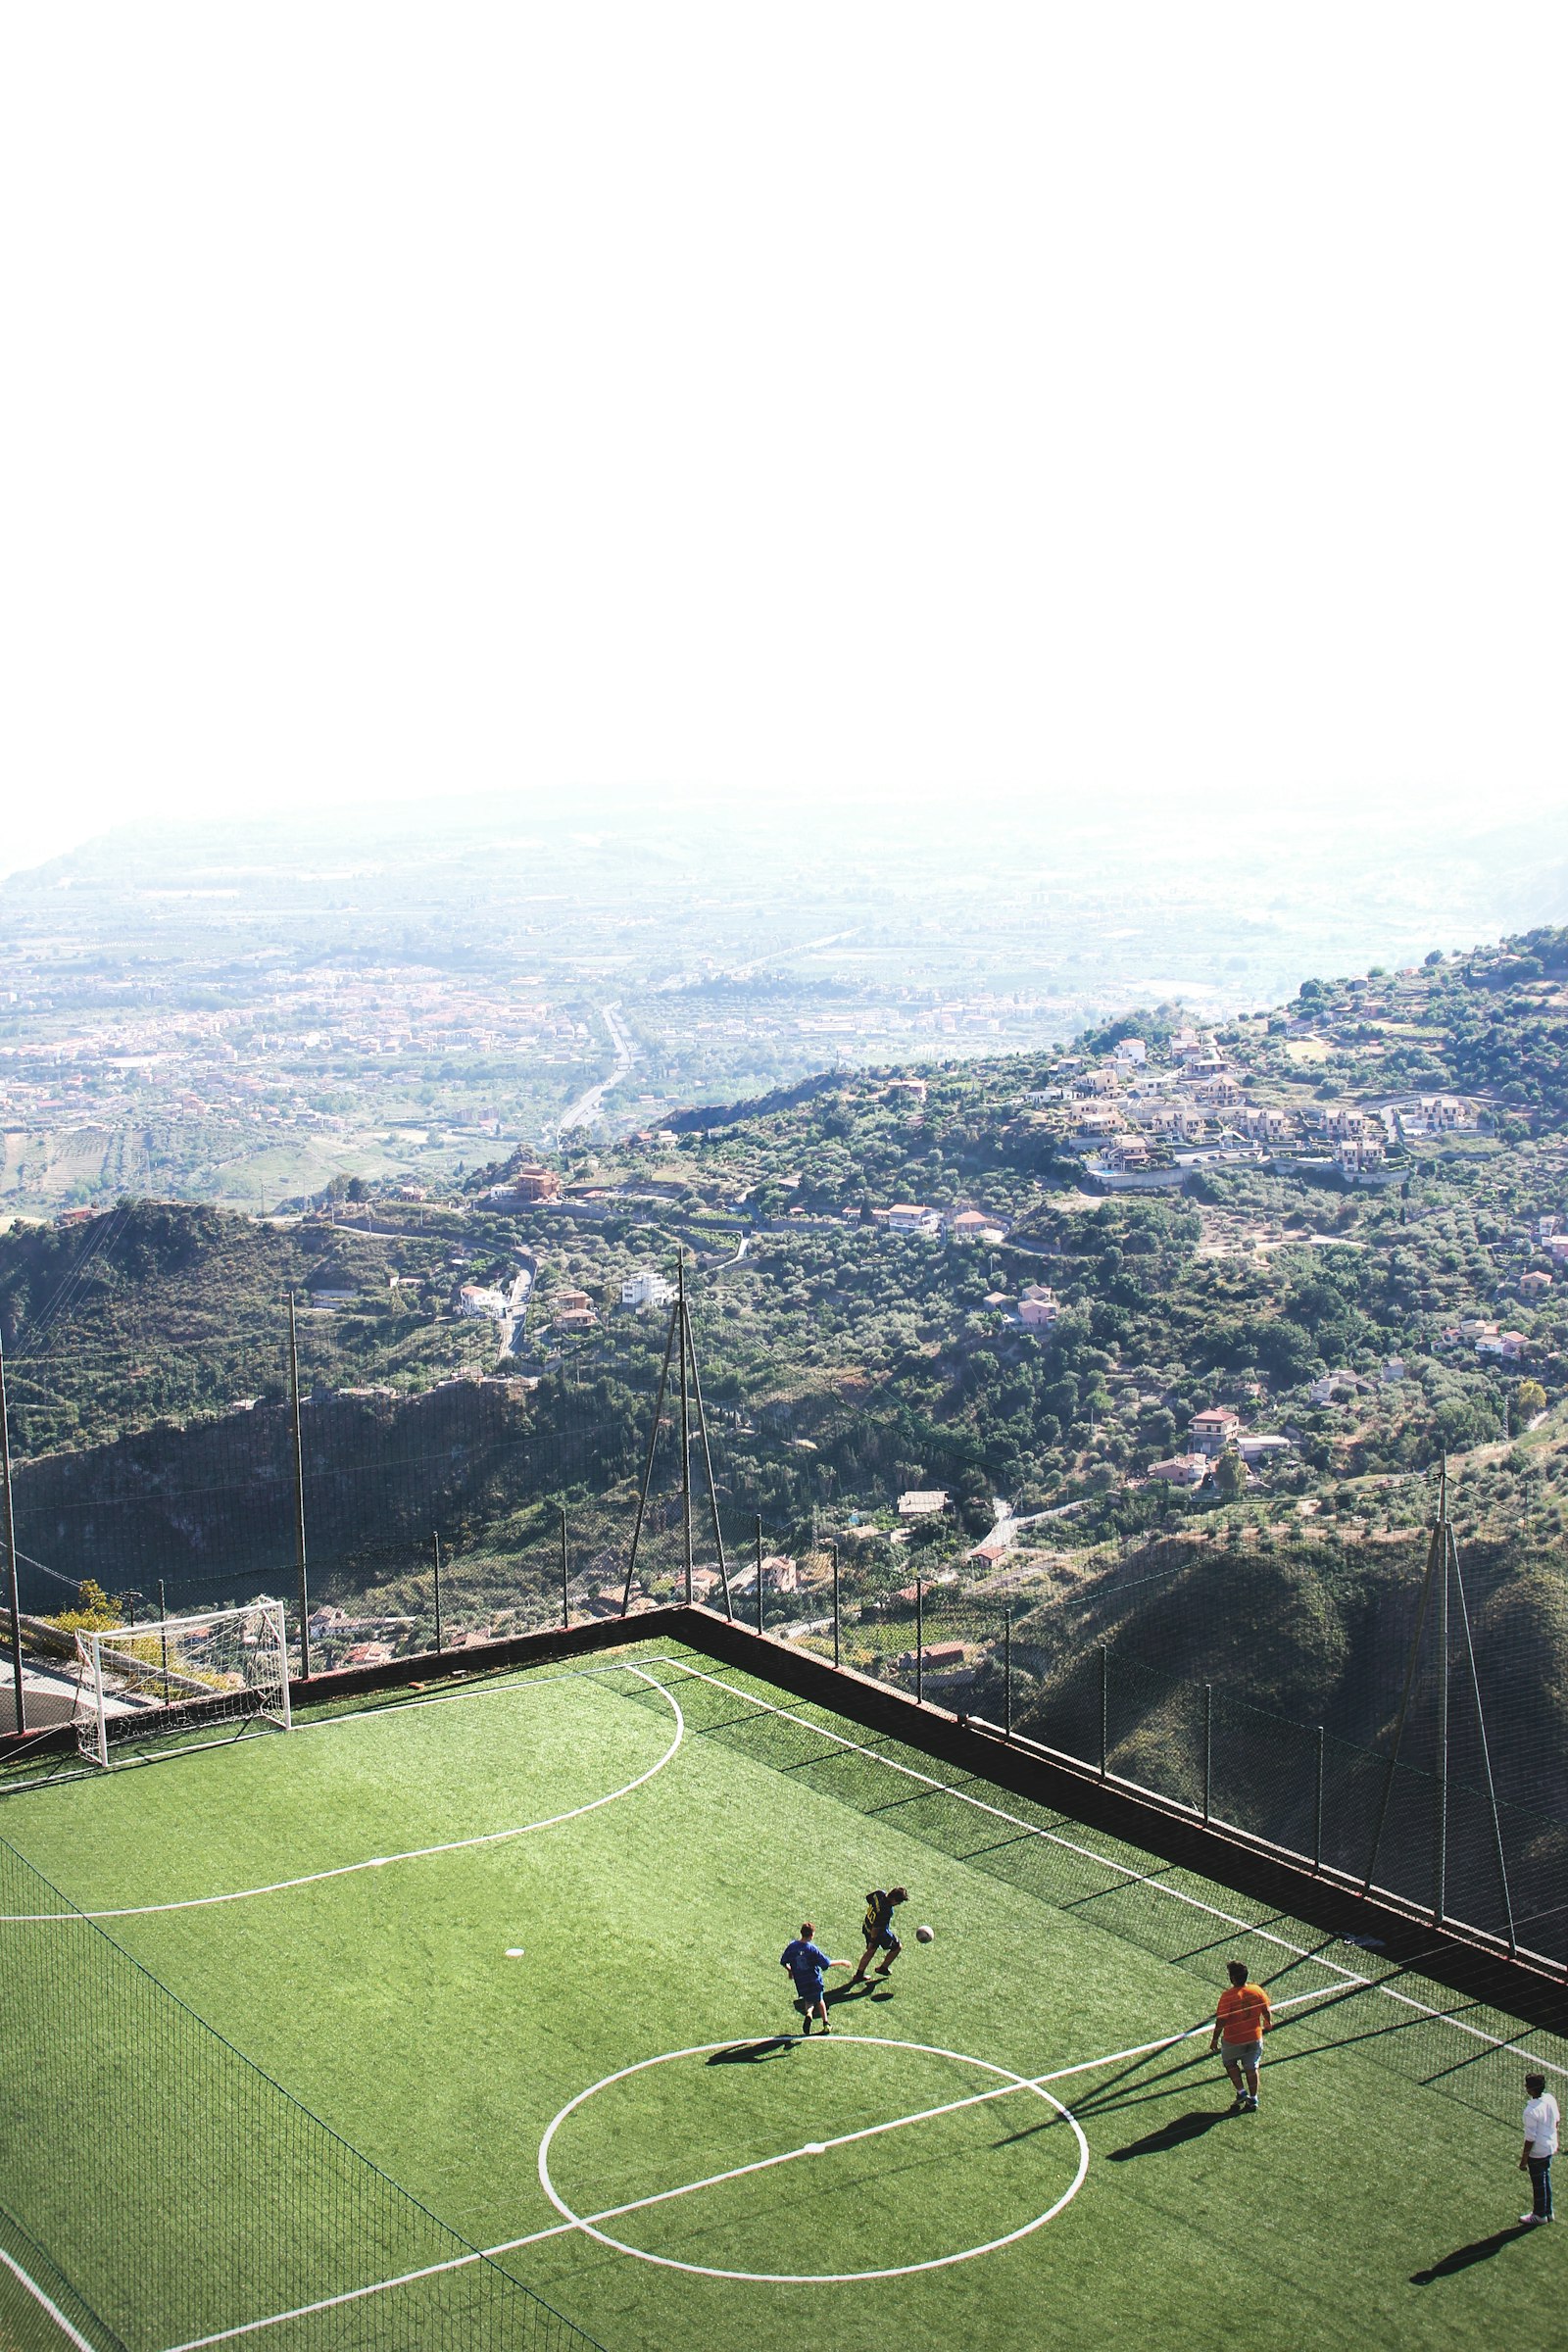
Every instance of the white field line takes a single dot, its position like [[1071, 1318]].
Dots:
[[421, 1853], [1107, 1862], [73, 2335], [762, 2164]]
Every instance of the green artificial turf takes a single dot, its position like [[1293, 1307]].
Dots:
[[1370, 2201]]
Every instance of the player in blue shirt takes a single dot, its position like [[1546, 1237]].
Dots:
[[880, 1905], [807, 1965]]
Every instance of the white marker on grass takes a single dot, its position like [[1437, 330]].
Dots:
[[514, 1951]]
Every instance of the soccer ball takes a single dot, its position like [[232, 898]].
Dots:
[[924, 1935]]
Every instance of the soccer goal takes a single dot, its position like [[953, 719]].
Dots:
[[182, 1673]]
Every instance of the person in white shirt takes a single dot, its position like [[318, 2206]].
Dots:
[[1542, 2123]]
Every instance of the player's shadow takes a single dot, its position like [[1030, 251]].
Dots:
[[747, 2053], [856, 1993], [1479, 2249], [1174, 2134]]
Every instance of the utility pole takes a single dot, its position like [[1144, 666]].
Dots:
[[12, 1601], [299, 1494]]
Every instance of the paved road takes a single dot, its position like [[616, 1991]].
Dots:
[[589, 1104]]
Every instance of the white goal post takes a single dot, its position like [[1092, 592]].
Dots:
[[174, 1674]]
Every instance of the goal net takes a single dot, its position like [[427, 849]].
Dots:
[[182, 1673]]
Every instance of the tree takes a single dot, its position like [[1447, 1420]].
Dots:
[[1230, 1475]]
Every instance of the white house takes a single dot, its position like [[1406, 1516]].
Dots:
[[645, 1288], [907, 1216], [922, 1502], [474, 1300]]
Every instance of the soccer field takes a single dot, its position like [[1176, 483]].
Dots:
[[514, 1942]]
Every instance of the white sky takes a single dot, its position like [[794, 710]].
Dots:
[[1084, 399]]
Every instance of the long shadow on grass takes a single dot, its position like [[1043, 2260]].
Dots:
[[1174, 2134], [1464, 2258], [747, 2053]]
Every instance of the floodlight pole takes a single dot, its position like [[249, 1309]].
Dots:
[[13, 1604], [299, 1494]]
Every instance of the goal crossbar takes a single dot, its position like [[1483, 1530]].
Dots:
[[213, 1667]]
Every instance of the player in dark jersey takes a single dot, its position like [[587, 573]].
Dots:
[[880, 1905], [807, 1965]]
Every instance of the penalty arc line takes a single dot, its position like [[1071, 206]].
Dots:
[[421, 1853], [1352, 1977]]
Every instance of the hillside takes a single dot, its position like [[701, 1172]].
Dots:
[[1337, 1228]]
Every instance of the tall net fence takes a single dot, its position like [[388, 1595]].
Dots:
[[1340, 1805], [1256, 1676], [1465, 2046], [156, 2188]]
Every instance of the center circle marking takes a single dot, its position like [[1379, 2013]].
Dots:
[[904, 2270]]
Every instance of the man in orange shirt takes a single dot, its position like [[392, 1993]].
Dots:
[[1242, 2018]]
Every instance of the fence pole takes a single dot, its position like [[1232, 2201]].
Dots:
[[833, 1548], [565, 1569], [759, 1572], [1006, 1669], [163, 1636], [919, 1641], [298, 1494], [1105, 1709], [1209, 1748], [436, 1553], [1440, 1889], [1317, 1810], [12, 1602], [685, 1434]]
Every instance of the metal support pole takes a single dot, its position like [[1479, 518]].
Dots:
[[1405, 1696], [162, 1637], [1006, 1669], [435, 1548], [1104, 1710], [1209, 1749], [648, 1466], [833, 1548], [1317, 1809], [685, 1434], [98, 1686], [12, 1603], [707, 1466], [919, 1641], [565, 1569], [299, 1494], [759, 1572], [1486, 1751]]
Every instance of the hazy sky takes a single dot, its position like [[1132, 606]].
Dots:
[[1073, 399]]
